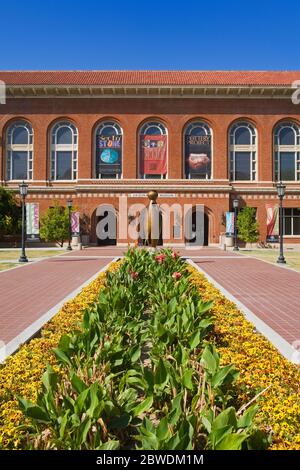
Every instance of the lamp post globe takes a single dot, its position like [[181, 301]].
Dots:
[[23, 190], [281, 189]]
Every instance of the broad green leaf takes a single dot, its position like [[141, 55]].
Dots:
[[187, 379], [247, 418], [231, 442], [81, 401], [50, 379], [78, 384], [110, 445], [135, 353], [61, 356], [225, 418], [33, 411], [194, 339], [162, 431], [161, 374], [208, 361], [222, 374], [145, 405]]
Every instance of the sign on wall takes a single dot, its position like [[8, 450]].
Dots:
[[75, 223], [153, 154], [229, 223], [109, 154], [272, 223], [32, 221], [198, 155]]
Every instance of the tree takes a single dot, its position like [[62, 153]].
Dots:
[[55, 224], [10, 212], [247, 225]]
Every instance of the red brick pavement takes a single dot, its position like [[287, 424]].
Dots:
[[271, 292], [28, 292]]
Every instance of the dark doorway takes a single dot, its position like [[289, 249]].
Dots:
[[106, 232], [191, 221]]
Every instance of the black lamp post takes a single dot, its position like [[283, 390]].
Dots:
[[23, 188], [235, 206], [69, 203], [281, 193]]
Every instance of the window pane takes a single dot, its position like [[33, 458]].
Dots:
[[153, 130], [108, 131], [242, 136], [287, 166], [20, 136], [296, 227], [19, 165], [64, 165], [287, 136], [64, 135], [242, 166], [287, 226], [296, 212], [199, 130]]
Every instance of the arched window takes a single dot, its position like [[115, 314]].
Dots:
[[153, 153], [64, 151], [197, 151], [287, 152], [19, 151], [243, 152], [108, 158]]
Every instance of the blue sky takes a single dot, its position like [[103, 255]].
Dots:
[[166, 35]]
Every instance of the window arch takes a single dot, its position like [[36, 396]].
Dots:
[[287, 152], [153, 153], [243, 152], [109, 150], [197, 150], [64, 151], [19, 151]]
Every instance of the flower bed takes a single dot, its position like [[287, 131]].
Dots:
[[260, 366], [22, 372], [153, 365]]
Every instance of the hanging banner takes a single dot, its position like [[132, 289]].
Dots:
[[109, 154], [75, 223], [198, 155], [32, 221], [229, 223], [272, 223], [154, 154]]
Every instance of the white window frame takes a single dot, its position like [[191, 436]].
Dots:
[[252, 148], [11, 148], [278, 149], [55, 147], [208, 130], [119, 131], [143, 131]]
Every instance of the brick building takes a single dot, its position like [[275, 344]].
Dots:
[[196, 137]]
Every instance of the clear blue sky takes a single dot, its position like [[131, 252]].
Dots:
[[166, 35]]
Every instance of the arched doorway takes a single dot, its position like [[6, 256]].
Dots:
[[192, 228], [106, 225]]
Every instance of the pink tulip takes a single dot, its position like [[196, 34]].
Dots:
[[176, 275]]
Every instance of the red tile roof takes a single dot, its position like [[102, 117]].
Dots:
[[154, 78]]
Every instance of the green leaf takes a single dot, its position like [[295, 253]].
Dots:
[[172, 305], [63, 424], [247, 418], [64, 343], [225, 418], [187, 379], [84, 429], [135, 353], [220, 377], [194, 339], [208, 361], [162, 431], [81, 401], [61, 356], [110, 445], [231, 442], [50, 379], [94, 388], [145, 405], [161, 374], [33, 411], [78, 384]]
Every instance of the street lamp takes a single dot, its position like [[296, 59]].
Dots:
[[69, 204], [23, 189], [235, 206], [281, 193]]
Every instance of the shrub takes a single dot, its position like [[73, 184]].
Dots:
[[55, 224], [247, 225]]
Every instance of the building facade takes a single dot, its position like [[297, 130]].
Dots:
[[196, 137]]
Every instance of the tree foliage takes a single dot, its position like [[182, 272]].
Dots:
[[55, 224], [247, 225], [10, 212]]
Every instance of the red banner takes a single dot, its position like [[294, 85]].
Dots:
[[154, 154], [272, 222]]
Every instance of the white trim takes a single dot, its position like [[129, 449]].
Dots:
[[285, 348], [32, 329]]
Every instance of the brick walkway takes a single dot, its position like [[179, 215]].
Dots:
[[269, 291], [29, 292]]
